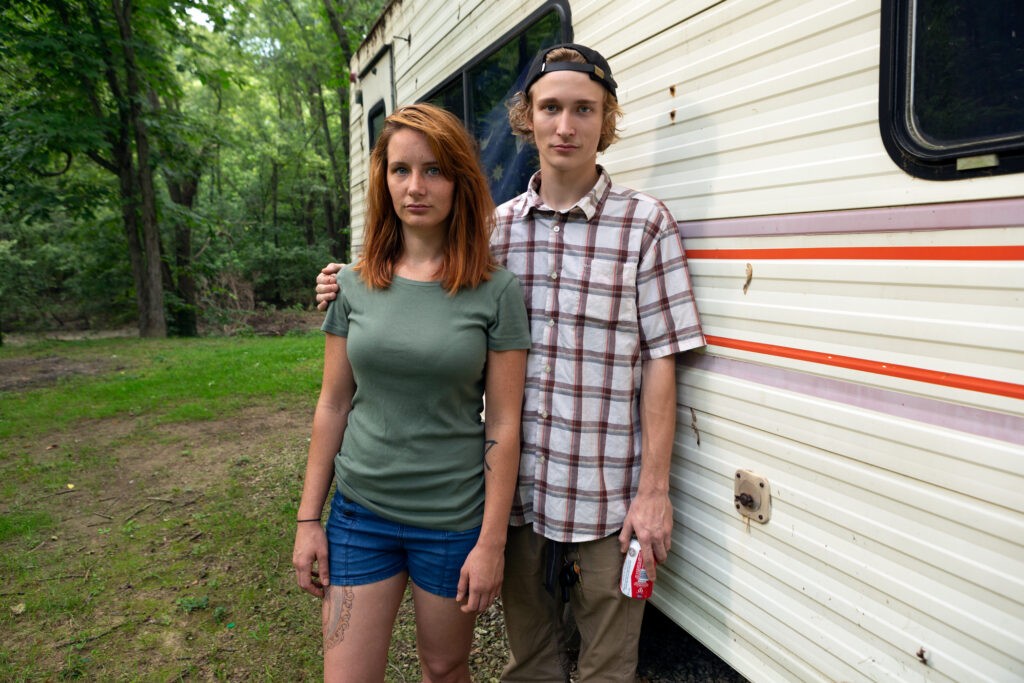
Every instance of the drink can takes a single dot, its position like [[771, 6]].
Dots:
[[634, 583]]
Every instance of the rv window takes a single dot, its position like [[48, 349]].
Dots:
[[491, 78], [953, 103], [376, 122], [451, 98], [494, 81]]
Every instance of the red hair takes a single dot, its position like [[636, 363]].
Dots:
[[467, 254]]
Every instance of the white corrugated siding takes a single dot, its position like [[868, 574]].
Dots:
[[775, 107], [889, 535], [886, 536]]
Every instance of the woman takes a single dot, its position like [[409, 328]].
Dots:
[[424, 325]]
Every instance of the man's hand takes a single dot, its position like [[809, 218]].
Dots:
[[327, 285], [480, 578], [649, 518]]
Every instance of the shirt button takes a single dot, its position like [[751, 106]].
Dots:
[[556, 229], [544, 414], [547, 368], [541, 458], [554, 276], [551, 323]]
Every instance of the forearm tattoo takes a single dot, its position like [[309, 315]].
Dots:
[[337, 614], [488, 445]]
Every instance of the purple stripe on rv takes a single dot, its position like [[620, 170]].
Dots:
[[985, 423], [998, 213]]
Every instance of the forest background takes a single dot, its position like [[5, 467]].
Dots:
[[171, 163]]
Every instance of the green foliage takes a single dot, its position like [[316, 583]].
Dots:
[[190, 604], [246, 105]]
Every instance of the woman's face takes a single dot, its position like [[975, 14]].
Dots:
[[421, 195]]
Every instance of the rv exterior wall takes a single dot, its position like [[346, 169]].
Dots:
[[866, 336]]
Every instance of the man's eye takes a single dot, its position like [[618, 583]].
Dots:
[[585, 109]]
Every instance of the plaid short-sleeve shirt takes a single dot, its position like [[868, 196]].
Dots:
[[606, 287]]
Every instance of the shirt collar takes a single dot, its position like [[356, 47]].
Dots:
[[589, 204]]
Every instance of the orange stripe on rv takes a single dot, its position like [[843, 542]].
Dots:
[[965, 253], [948, 379]]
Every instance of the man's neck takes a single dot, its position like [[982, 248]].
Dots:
[[561, 190]]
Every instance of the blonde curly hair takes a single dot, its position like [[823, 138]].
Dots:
[[520, 106]]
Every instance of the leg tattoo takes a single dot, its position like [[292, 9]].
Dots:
[[337, 614]]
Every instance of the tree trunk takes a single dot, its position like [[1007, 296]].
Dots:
[[183, 192], [120, 164], [182, 179], [154, 299], [340, 242]]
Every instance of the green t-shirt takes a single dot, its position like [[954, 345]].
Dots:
[[413, 449]]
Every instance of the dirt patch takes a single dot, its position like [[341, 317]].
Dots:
[[155, 498], [31, 373]]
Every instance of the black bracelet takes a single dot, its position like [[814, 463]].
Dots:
[[308, 520]]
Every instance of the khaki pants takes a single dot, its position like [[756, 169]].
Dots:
[[608, 621]]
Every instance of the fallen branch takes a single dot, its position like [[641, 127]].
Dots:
[[92, 638], [142, 509], [60, 493]]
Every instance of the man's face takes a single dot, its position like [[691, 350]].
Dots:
[[567, 113]]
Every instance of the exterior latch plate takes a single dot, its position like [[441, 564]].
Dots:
[[753, 496]]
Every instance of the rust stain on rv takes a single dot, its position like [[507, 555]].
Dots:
[[672, 90], [922, 655], [672, 115], [693, 425], [750, 276]]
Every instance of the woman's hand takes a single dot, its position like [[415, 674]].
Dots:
[[310, 549], [481, 577]]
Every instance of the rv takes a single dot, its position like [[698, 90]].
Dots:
[[848, 179]]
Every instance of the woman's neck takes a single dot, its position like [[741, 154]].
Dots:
[[422, 255]]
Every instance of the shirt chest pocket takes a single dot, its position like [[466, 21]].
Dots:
[[598, 291]]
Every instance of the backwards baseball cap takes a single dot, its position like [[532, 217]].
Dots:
[[596, 66]]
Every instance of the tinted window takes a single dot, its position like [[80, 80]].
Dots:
[[952, 87], [376, 119], [493, 79], [968, 71], [508, 162], [451, 97]]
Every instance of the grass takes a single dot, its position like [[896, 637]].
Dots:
[[149, 496]]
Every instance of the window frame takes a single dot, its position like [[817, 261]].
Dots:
[[561, 7], [894, 113], [375, 111]]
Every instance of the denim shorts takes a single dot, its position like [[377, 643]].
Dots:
[[365, 548]]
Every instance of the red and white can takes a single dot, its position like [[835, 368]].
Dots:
[[634, 583]]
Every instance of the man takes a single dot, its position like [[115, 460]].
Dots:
[[608, 295]]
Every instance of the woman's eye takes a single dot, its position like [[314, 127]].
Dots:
[[433, 172]]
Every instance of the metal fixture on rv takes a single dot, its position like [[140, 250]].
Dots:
[[753, 496]]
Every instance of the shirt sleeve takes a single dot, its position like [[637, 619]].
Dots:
[[665, 307], [336, 321], [509, 328]]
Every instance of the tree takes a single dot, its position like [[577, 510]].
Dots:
[[78, 90], [213, 147]]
